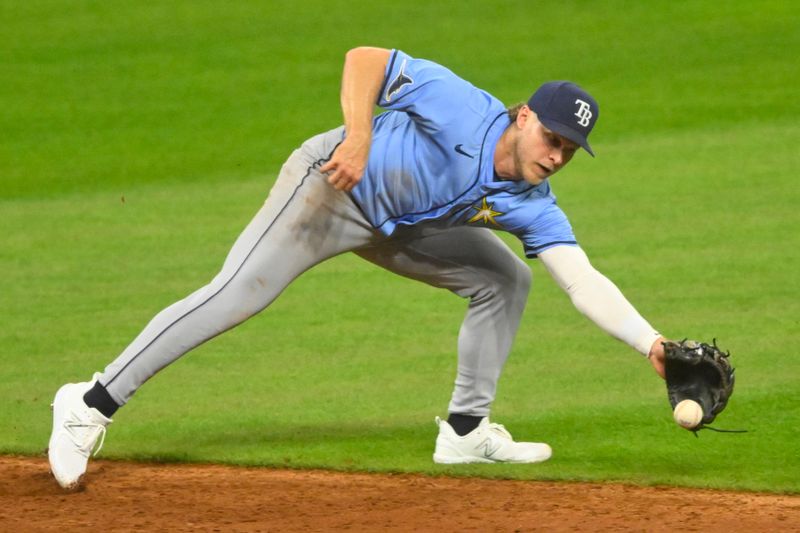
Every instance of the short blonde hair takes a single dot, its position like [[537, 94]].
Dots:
[[513, 111]]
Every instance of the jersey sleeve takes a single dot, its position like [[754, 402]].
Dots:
[[550, 228], [429, 93]]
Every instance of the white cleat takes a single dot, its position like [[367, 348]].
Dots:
[[488, 443], [76, 429]]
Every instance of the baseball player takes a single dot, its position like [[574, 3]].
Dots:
[[416, 190]]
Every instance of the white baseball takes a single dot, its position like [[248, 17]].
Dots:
[[688, 414]]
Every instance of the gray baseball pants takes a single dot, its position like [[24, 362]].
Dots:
[[305, 221]]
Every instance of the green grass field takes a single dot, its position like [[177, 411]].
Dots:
[[137, 140]]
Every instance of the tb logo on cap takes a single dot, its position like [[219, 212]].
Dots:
[[584, 113]]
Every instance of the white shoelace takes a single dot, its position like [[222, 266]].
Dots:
[[86, 442], [501, 430]]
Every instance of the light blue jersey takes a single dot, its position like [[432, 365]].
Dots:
[[432, 158]]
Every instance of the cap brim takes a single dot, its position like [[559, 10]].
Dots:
[[570, 133]]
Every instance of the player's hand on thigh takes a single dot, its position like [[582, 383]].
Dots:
[[347, 164]]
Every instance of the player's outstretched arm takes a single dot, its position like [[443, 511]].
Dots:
[[602, 302], [364, 69]]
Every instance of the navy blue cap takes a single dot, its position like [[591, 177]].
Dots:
[[566, 109]]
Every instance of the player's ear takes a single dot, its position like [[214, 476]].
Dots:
[[524, 115]]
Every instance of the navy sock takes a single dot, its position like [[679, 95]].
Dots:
[[463, 424], [99, 398]]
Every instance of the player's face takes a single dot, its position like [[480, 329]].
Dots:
[[539, 152]]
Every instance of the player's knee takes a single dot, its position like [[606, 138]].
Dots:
[[243, 296], [518, 287], [509, 281], [515, 277], [523, 276]]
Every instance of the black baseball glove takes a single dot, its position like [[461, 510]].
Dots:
[[700, 372]]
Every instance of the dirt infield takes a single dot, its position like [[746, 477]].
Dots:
[[147, 497]]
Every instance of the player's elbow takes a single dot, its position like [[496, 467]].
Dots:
[[367, 54], [366, 50]]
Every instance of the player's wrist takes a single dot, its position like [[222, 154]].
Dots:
[[657, 356], [358, 133], [657, 348]]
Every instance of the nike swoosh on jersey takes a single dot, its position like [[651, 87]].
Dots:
[[462, 152]]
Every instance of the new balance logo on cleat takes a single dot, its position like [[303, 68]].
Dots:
[[489, 447]]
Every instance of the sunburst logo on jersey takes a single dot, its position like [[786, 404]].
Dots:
[[485, 214]]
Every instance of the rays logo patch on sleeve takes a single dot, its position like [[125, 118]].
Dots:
[[485, 214], [398, 82]]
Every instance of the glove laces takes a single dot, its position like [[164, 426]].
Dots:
[[718, 430]]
